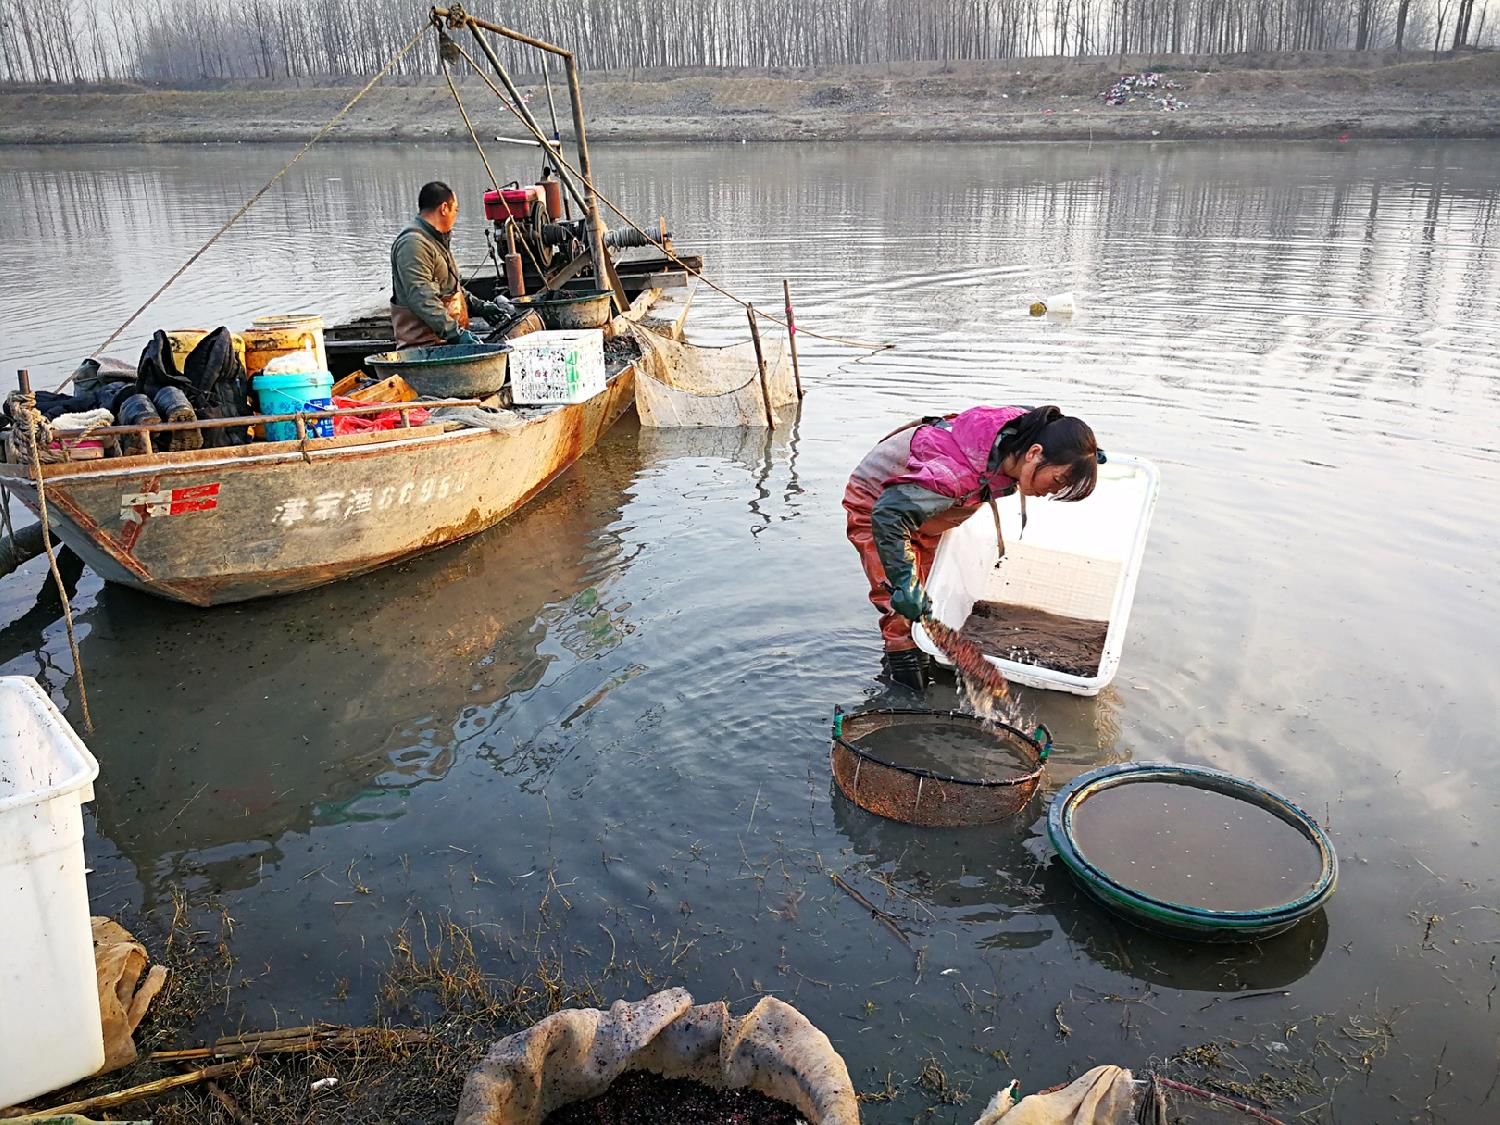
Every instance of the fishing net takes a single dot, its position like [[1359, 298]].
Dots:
[[575, 1054], [920, 796], [681, 384]]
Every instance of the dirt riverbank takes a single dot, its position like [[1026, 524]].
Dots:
[[1250, 97]]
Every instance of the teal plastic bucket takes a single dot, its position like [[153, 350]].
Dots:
[[288, 394], [1173, 918]]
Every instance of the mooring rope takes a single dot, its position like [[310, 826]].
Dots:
[[862, 345], [479, 148], [318, 136], [25, 404]]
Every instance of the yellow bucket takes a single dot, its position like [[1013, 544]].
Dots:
[[184, 340], [271, 336]]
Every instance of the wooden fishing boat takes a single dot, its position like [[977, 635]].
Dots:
[[214, 526]]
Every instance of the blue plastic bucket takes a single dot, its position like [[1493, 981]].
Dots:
[[288, 394], [1177, 919]]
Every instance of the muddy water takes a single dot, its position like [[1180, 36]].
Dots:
[[626, 691], [945, 749], [1195, 847]]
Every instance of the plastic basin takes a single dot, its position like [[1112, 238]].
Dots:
[[447, 370], [1075, 560], [50, 1033], [565, 310], [1176, 919]]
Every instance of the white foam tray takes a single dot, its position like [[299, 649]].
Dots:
[[1076, 560]]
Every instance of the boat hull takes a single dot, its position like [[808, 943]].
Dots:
[[221, 526]]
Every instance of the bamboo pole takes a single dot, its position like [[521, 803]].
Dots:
[[791, 335], [760, 362], [147, 1090]]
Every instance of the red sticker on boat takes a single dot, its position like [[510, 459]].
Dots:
[[199, 498], [170, 502]]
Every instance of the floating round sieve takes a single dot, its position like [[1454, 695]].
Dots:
[[930, 797], [1192, 852]]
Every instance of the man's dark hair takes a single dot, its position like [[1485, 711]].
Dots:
[[433, 195]]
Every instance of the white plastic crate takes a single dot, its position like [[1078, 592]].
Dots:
[[50, 1033], [556, 367], [1075, 560]]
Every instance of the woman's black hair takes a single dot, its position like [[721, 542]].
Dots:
[[1065, 441]]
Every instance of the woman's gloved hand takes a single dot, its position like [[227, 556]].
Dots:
[[911, 600]]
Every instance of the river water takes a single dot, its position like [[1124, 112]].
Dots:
[[622, 696]]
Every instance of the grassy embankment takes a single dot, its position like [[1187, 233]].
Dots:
[[1268, 97]]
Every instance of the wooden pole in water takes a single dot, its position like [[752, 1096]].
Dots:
[[791, 335], [760, 363]]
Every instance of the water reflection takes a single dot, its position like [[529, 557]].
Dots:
[[332, 707], [635, 690], [1004, 889]]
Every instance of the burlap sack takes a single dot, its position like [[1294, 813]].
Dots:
[[1103, 1096], [576, 1054], [118, 962]]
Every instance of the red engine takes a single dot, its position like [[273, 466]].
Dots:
[[513, 202]]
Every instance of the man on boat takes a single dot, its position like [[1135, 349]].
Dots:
[[429, 304]]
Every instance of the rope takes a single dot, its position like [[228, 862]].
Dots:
[[26, 405], [318, 136], [862, 345], [478, 147], [458, 101]]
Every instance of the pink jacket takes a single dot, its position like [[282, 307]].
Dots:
[[951, 459]]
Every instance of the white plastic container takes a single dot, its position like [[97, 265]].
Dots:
[[547, 368], [1076, 560], [50, 1034]]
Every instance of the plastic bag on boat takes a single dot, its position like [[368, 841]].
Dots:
[[576, 1054], [681, 384], [369, 423]]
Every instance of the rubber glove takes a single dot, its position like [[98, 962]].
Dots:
[[911, 600], [467, 337], [498, 312]]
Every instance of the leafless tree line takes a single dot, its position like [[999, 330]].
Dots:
[[189, 41]]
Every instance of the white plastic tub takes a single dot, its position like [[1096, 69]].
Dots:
[[1076, 560], [556, 367], [49, 1002]]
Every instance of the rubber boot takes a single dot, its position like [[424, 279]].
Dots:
[[907, 668], [173, 406], [136, 410]]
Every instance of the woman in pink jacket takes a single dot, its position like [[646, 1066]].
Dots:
[[933, 474]]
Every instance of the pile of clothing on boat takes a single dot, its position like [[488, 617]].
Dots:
[[211, 384]]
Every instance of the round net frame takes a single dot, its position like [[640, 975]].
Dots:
[[923, 797]]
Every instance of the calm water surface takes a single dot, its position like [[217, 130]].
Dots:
[[627, 688], [1195, 847]]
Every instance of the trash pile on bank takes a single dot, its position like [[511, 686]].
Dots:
[[1135, 87]]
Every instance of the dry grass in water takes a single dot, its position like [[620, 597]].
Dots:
[[438, 1009]]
